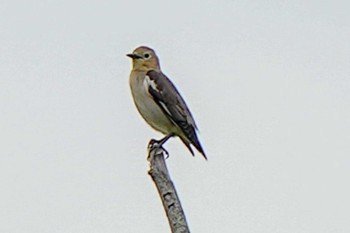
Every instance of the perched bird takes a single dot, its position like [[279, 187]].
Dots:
[[159, 102]]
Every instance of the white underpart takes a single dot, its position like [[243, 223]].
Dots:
[[165, 108], [140, 85], [150, 83], [147, 106]]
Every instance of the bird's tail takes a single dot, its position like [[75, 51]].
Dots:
[[195, 142]]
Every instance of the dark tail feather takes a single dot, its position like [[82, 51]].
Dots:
[[191, 137], [187, 144], [196, 144]]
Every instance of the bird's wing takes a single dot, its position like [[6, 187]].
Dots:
[[169, 100], [173, 105]]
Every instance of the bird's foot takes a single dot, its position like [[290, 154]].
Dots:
[[157, 145]]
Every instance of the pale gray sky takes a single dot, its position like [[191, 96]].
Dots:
[[268, 83]]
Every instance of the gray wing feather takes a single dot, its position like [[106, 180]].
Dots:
[[173, 105], [169, 99]]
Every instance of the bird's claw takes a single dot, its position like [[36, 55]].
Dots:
[[154, 144], [166, 153]]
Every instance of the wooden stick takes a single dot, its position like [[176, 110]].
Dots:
[[167, 192]]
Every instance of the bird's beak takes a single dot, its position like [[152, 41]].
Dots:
[[133, 56]]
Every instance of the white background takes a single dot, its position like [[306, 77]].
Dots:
[[268, 83]]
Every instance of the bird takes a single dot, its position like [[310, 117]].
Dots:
[[159, 102]]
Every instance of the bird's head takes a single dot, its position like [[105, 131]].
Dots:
[[144, 59]]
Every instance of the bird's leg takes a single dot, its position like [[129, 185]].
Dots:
[[159, 143], [163, 140]]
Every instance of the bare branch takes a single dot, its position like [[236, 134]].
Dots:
[[171, 203]]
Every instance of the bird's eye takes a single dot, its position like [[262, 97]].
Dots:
[[147, 56]]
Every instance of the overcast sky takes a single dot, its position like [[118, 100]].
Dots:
[[268, 83]]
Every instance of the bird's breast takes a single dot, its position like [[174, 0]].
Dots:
[[146, 105]]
